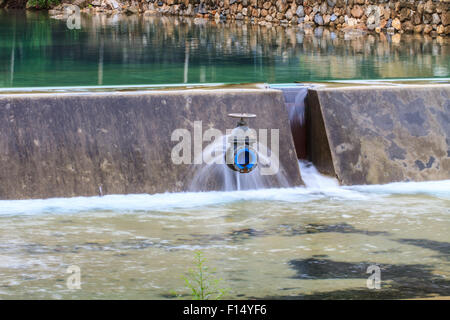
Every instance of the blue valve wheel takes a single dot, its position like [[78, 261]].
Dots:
[[245, 159]]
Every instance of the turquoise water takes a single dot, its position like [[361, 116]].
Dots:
[[37, 51]]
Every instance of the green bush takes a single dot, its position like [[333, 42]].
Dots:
[[202, 284], [42, 4]]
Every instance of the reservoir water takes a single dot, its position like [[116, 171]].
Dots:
[[38, 51]]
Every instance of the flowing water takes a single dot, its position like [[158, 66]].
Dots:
[[37, 51], [313, 242], [214, 172]]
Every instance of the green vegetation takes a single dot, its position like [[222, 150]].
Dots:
[[202, 284], [42, 4]]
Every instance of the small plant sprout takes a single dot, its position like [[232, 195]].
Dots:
[[201, 281]]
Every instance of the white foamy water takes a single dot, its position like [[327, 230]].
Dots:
[[215, 171], [432, 188], [155, 202], [313, 179], [317, 187]]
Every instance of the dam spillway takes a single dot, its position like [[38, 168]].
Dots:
[[377, 135], [91, 143], [64, 145]]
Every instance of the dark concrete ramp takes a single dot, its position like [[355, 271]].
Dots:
[[375, 135], [63, 145], [294, 97]]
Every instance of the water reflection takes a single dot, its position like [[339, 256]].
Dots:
[[36, 50]]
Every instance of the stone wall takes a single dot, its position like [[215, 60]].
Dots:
[[429, 17]]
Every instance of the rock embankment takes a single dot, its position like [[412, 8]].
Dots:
[[392, 16]]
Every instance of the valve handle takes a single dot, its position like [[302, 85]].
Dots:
[[242, 116]]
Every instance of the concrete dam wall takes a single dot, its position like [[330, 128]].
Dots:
[[86, 144], [376, 135], [64, 145]]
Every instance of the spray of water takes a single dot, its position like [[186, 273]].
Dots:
[[313, 179], [317, 187], [214, 174], [296, 112]]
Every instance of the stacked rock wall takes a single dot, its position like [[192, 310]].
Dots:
[[428, 16]]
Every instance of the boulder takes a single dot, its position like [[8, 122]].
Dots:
[[404, 14], [418, 28], [420, 7], [429, 7], [112, 4], [318, 19], [357, 12], [300, 12], [331, 3], [417, 18], [407, 26], [396, 24], [447, 30], [445, 18], [132, 10], [81, 3], [351, 22], [289, 15], [281, 6], [427, 29], [371, 22], [435, 19], [323, 8], [427, 18]]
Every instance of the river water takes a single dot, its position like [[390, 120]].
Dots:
[[37, 51], [304, 243]]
